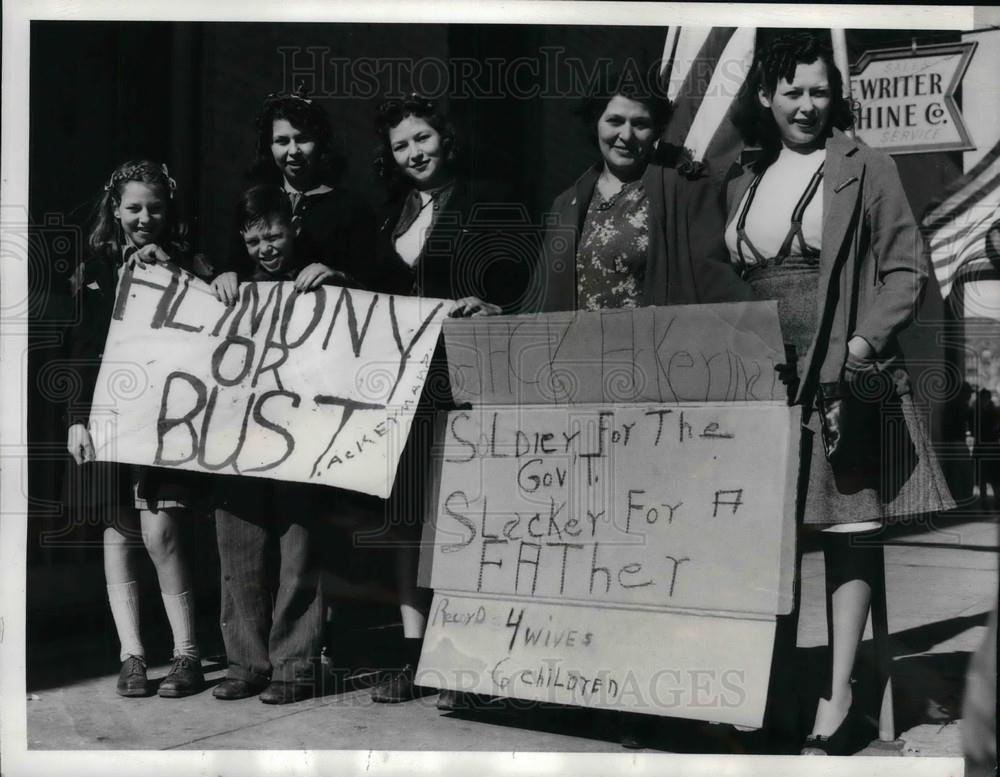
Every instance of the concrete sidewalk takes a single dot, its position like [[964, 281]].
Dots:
[[941, 583]]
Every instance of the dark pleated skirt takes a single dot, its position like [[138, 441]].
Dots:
[[102, 488]]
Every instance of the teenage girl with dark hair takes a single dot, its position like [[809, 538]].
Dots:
[[434, 240], [295, 151], [432, 227]]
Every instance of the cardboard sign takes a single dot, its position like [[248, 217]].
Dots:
[[684, 353], [646, 505], [622, 555], [650, 661], [316, 388]]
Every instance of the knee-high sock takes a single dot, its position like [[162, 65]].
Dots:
[[124, 600], [180, 613]]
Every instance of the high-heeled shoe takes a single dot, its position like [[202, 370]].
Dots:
[[840, 742]]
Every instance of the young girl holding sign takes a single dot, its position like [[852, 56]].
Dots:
[[136, 221]]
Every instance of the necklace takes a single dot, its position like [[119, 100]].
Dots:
[[611, 185]]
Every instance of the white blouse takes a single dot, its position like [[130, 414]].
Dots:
[[776, 196], [410, 243]]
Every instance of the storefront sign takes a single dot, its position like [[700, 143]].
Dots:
[[906, 98]]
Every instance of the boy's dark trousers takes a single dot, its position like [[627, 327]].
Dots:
[[272, 598]]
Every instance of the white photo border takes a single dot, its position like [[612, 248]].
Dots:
[[16, 759]]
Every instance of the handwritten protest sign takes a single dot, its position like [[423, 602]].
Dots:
[[648, 505], [627, 554], [316, 388], [683, 353], [651, 661]]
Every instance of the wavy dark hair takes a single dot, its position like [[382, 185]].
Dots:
[[389, 115], [777, 61], [261, 203], [306, 116], [106, 238], [644, 88]]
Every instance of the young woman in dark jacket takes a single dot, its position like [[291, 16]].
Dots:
[[439, 235]]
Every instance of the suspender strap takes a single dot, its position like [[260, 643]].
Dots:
[[741, 232], [795, 229], [807, 195]]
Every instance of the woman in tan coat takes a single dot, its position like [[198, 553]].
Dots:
[[821, 223]]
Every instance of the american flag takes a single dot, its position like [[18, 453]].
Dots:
[[957, 227], [703, 69]]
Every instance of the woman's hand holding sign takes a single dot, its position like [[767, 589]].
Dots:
[[470, 307], [226, 288], [314, 275], [79, 444]]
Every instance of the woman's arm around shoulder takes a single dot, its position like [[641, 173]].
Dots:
[[340, 242], [715, 278], [360, 241], [501, 277]]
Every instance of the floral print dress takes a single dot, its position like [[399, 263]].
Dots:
[[611, 258]]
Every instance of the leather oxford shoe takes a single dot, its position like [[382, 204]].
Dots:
[[279, 692], [233, 688], [132, 679]]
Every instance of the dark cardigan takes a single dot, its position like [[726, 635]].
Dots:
[[95, 286], [686, 263]]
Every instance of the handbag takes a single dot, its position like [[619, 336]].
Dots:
[[851, 414]]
